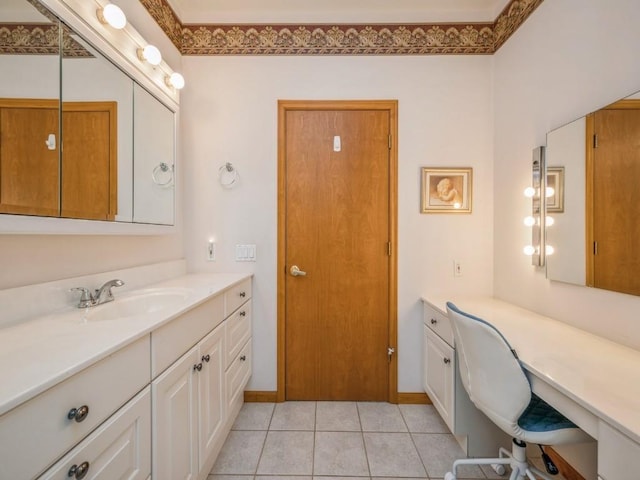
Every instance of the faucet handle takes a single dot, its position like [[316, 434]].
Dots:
[[85, 298]]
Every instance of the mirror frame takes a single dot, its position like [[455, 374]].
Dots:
[[120, 48]]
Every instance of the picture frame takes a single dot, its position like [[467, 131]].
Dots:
[[446, 190], [555, 180]]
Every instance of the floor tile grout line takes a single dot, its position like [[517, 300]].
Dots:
[[364, 443]]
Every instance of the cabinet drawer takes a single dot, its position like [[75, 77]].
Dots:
[[237, 331], [237, 376], [618, 455], [119, 448], [39, 431], [236, 296], [438, 322], [172, 340]]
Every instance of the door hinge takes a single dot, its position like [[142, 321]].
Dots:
[[390, 352], [389, 142], [389, 249], [595, 140]]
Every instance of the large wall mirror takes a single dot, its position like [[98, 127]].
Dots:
[[80, 139], [596, 233]]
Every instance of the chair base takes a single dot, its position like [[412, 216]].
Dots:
[[516, 459]]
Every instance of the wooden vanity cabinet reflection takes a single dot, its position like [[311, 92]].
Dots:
[[33, 179]]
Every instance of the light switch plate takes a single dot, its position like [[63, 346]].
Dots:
[[246, 253]]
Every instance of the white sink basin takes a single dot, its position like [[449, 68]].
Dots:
[[139, 303]]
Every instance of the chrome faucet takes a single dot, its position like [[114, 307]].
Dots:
[[101, 295]]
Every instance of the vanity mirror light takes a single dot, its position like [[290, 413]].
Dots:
[[70, 95], [597, 236]]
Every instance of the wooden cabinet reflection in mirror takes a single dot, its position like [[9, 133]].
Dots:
[[35, 179], [613, 197]]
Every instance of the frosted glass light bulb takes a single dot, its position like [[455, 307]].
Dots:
[[176, 81], [113, 15], [529, 192], [548, 249], [549, 192], [529, 250], [529, 221], [548, 221], [151, 54]]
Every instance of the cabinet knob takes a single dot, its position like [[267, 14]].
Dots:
[[78, 414], [197, 367], [242, 294], [433, 321], [446, 360], [243, 358], [79, 471], [206, 358], [243, 313]]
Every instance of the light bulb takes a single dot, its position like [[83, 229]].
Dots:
[[548, 249], [529, 250], [112, 15], [549, 192], [529, 192], [175, 80], [548, 221], [529, 221], [151, 54]]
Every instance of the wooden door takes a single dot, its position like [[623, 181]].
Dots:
[[337, 224], [615, 204], [29, 169], [89, 160]]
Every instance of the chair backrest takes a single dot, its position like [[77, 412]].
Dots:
[[489, 369]]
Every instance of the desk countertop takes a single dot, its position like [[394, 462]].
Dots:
[[598, 374], [37, 354]]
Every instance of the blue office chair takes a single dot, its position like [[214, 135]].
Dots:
[[498, 386]]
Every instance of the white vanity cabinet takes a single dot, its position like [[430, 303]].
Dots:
[[618, 455], [197, 398], [41, 430], [477, 435]]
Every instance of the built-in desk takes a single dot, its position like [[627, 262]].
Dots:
[[593, 381]]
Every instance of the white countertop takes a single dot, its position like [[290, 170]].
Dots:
[[36, 355], [598, 374]]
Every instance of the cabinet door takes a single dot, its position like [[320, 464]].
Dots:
[[174, 406], [120, 448], [439, 371], [211, 405]]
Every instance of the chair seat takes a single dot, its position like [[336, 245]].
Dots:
[[543, 424]]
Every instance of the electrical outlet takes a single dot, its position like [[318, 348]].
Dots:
[[457, 268]]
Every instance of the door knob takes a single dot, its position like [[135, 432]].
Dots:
[[296, 272]]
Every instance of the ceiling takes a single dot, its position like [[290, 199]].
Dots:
[[336, 11]]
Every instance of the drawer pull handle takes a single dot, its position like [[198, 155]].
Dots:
[[242, 294], [78, 414], [79, 471], [206, 358], [243, 358], [243, 313], [197, 367], [446, 360], [433, 321]]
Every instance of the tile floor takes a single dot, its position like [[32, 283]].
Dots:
[[305, 440]]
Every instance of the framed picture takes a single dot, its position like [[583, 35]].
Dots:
[[446, 190], [555, 180]]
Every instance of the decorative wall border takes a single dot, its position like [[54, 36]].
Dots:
[[341, 39], [39, 39]]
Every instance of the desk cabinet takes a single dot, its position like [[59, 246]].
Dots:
[[618, 455]]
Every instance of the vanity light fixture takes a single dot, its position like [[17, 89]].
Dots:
[[150, 54], [174, 80], [112, 15]]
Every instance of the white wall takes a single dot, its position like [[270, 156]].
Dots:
[[569, 58], [229, 113]]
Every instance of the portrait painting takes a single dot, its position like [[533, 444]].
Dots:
[[446, 190]]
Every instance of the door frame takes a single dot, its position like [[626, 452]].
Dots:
[[315, 105]]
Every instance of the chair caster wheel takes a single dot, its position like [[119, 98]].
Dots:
[[498, 468], [449, 476]]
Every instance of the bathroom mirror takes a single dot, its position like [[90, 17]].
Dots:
[[597, 233], [84, 164]]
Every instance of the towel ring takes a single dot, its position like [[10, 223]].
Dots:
[[228, 175], [158, 170]]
